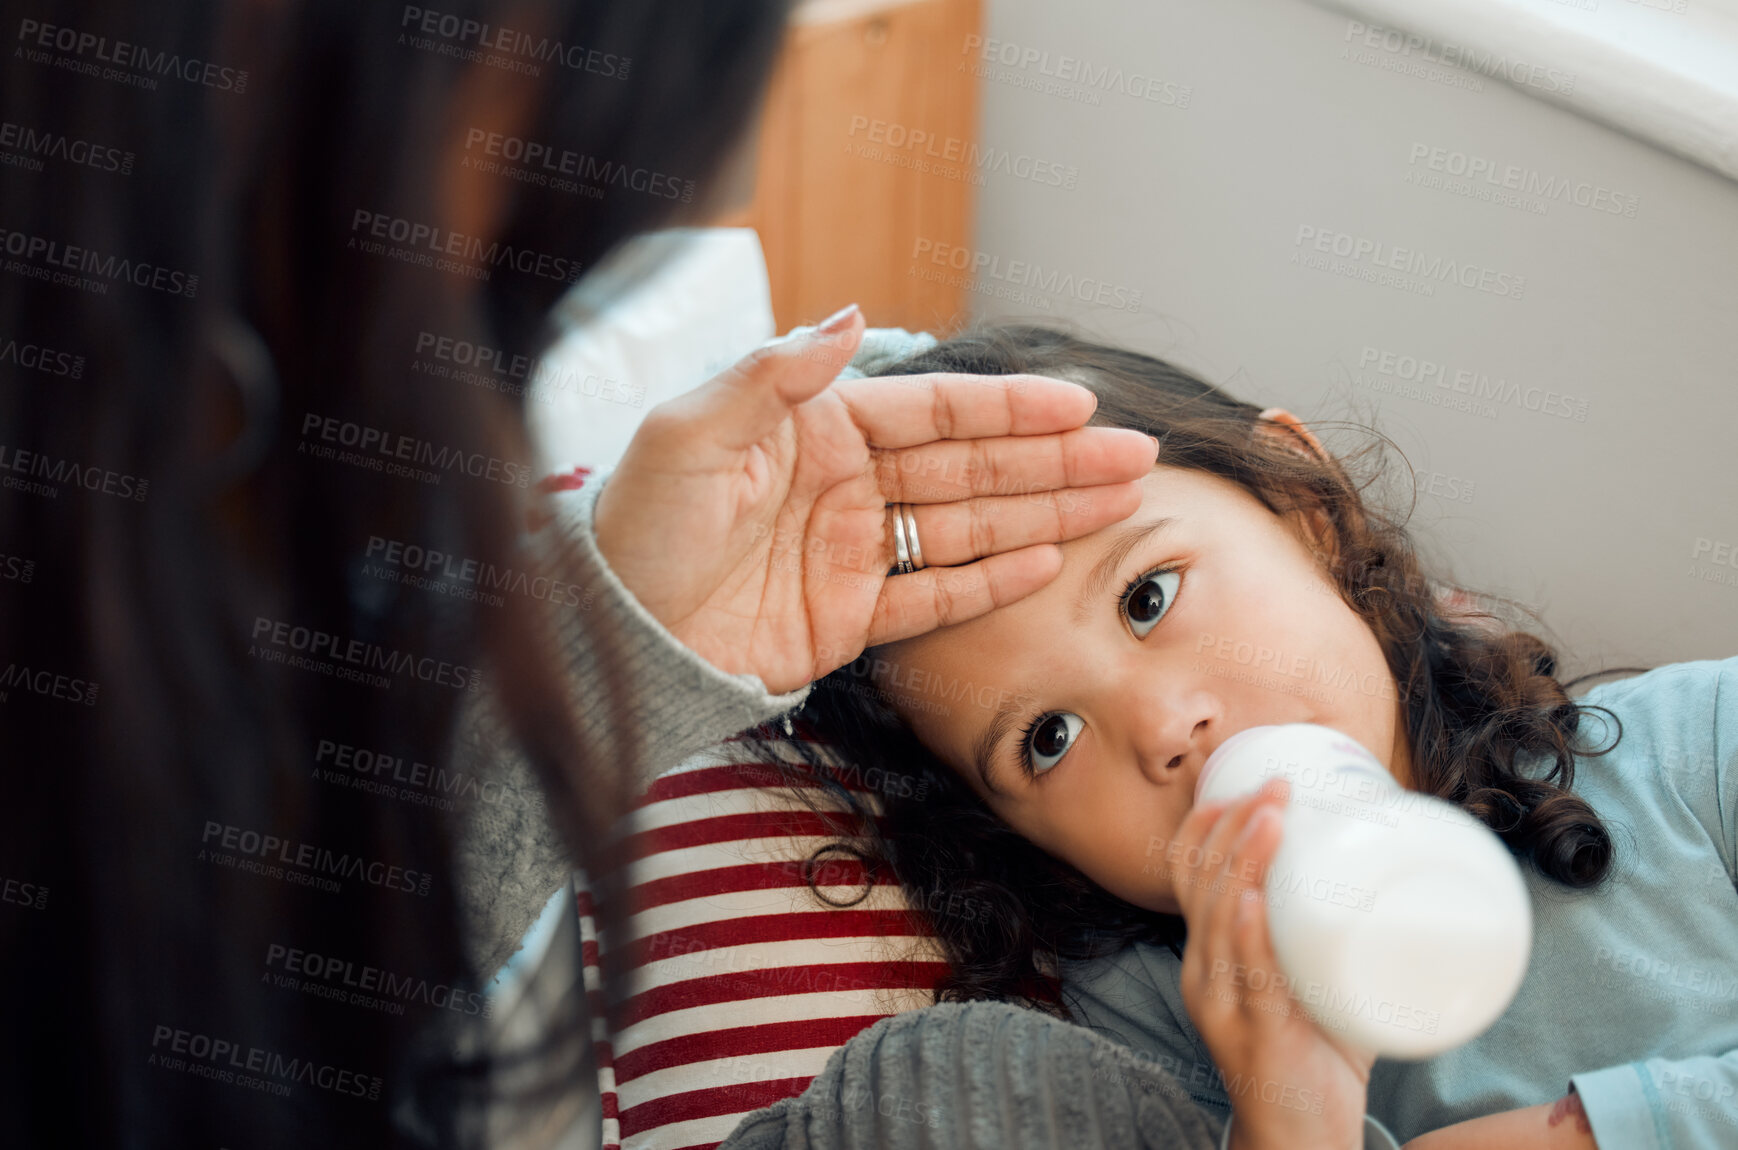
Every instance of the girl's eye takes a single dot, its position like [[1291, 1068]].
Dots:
[[1048, 738], [1148, 598]]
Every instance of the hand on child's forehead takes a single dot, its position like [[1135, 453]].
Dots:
[[939, 681]]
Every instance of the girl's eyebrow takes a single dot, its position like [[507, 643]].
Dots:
[[1124, 542], [992, 736]]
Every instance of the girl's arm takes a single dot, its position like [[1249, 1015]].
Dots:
[[1687, 716], [1560, 1125]]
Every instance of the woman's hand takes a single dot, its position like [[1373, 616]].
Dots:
[[749, 516], [1290, 1083]]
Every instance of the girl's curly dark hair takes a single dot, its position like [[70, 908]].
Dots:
[[1479, 694]]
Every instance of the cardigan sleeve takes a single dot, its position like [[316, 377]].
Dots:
[[641, 700]]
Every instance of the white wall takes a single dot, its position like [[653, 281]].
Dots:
[[1290, 124]]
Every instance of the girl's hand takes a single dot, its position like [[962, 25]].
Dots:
[[1290, 1083], [1560, 1125], [750, 517]]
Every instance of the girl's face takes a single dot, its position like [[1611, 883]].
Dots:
[[1227, 622]]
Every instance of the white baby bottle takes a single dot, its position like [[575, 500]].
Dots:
[[1401, 922]]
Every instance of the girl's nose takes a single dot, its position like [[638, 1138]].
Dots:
[[1171, 732]]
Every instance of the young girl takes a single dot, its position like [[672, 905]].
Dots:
[[1054, 745]]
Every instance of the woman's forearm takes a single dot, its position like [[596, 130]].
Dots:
[[1560, 1125]]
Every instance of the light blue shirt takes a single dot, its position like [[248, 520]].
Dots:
[[1632, 991]]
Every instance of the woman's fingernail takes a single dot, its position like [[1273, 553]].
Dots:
[[838, 321], [1157, 443]]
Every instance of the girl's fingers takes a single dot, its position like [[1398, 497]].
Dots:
[[1235, 887], [1188, 844], [1254, 980], [1214, 857], [1233, 968], [1250, 943], [1199, 820]]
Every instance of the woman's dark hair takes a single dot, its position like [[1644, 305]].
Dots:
[[1480, 697], [237, 236]]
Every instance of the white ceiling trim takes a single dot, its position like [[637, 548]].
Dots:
[[1665, 71]]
